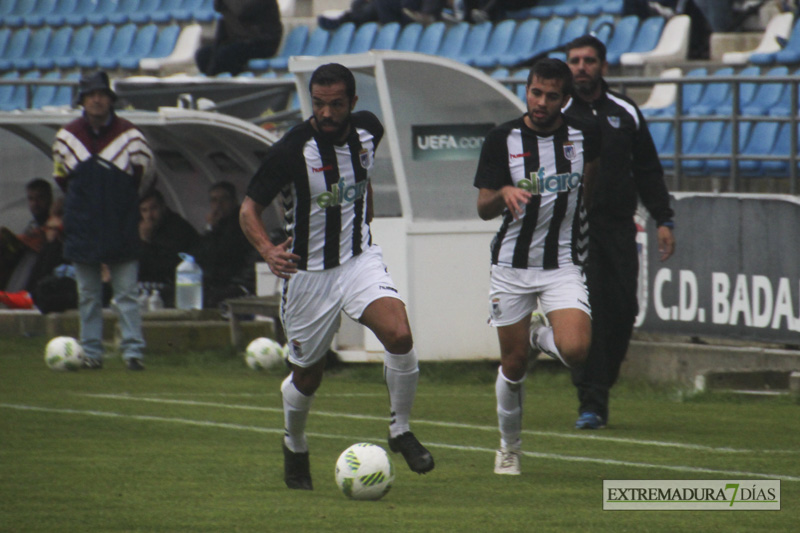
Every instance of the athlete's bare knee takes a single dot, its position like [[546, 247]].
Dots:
[[398, 341]]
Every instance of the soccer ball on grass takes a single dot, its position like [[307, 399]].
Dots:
[[63, 353], [364, 471], [263, 353]]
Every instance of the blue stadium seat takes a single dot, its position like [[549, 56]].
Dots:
[[164, 12], [454, 40], [57, 17], [688, 130], [549, 36], [660, 132], [98, 47], [764, 96], [363, 38], [20, 94], [781, 148], [387, 36], [431, 38], [6, 7], [747, 90], [339, 41], [476, 42], [145, 11], [7, 91], [648, 34], [80, 12], [521, 43], [613, 7], [572, 30], [103, 10], [187, 9], [714, 94], [602, 27], [792, 47], [409, 37], [15, 48], [723, 166], [117, 48], [40, 38], [498, 43], [313, 46], [761, 142], [122, 14], [65, 93], [140, 46], [622, 38], [205, 13], [162, 47], [5, 36], [16, 17], [43, 95], [293, 45], [37, 17], [81, 39], [590, 8], [690, 93], [521, 74], [705, 142], [783, 106]]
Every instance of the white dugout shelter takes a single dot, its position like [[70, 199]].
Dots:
[[436, 113]]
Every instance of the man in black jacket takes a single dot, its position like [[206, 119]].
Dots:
[[629, 171]]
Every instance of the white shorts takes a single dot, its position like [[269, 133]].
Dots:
[[513, 292], [312, 302]]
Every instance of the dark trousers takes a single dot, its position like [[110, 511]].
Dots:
[[233, 57], [611, 276]]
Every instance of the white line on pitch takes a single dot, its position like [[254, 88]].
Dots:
[[538, 455], [552, 434]]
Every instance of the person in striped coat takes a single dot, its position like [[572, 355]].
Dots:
[[102, 162], [534, 172]]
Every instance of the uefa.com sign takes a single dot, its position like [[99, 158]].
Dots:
[[691, 495]]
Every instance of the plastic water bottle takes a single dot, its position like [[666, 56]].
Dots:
[[142, 298], [188, 284], [154, 302]]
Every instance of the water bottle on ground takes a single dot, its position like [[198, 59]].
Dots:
[[188, 284]]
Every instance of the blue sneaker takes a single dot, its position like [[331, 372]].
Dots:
[[590, 420]]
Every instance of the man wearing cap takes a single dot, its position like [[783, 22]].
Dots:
[[103, 163]]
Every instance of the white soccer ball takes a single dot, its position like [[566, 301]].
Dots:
[[263, 353], [364, 471], [64, 353]]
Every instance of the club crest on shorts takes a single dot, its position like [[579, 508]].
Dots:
[[365, 157], [569, 150], [495, 310], [614, 121]]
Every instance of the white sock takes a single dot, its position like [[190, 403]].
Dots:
[[510, 396], [401, 373], [296, 406], [543, 339]]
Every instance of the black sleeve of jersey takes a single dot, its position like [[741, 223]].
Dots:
[[649, 175], [493, 172], [272, 176], [368, 121]]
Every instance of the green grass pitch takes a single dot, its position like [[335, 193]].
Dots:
[[193, 445]]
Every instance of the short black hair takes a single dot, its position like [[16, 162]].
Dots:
[[332, 73], [226, 186], [552, 69], [40, 184], [588, 40], [154, 194]]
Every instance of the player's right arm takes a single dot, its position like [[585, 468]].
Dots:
[[282, 262], [492, 203]]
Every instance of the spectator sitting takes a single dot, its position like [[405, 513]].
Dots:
[[249, 29], [224, 253], [164, 234], [18, 252]]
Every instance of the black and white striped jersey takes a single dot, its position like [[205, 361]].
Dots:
[[324, 187], [552, 230]]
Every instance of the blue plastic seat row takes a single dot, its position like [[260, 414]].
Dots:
[[716, 98], [715, 139], [790, 53], [487, 45], [55, 13], [109, 47], [13, 97], [569, 8]]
